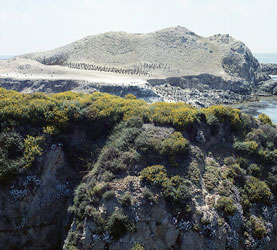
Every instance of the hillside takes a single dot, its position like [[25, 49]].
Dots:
[[96, 171], [173, 64]]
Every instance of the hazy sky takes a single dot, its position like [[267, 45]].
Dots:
[[34, 25]]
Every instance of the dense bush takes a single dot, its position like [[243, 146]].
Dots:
[[226, 205], [32, 148], [155, 175], [11, 155], [258, 228], [138, 246], [146, 143], [257, 191], [180, 115], [118, 224], [211, 177], [175, 188], [265, 119], [173, 146], [246, 147], [221, 114]]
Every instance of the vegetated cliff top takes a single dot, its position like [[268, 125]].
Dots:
[[174, 51], [144, 176]]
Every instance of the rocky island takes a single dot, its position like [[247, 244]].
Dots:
[[172, 64], [81, 169]]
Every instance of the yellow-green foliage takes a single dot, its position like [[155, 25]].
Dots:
[[130, 96], [114, 108], [256, 190], [178, 114], [175, 144], [32, 149], [56, 110], [175, 188], [138, 246], [265, 119], [39, 109], [211, 177], [156, 174], [226, 205], [225, 114], [258, 228], [248, 147]]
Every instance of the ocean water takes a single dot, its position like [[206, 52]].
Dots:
[[5, 57], [266, 105], [266, 57]]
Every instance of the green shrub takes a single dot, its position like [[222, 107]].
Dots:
[[11, 155], [229, 161], [109, 194], [272, 182], [267, 156], [110, 160], [211, 177], [233, 172], [175, 188], [32, 148], [193, 174], [173, 146], [258, 228], [99, 189], [148, 144], [155, 175], [257, 191], [221, 114], [246, 147], [126, 199], [263, 118], [226, 205], [130, 96], [243, 162], [138, 246], [119, 224], [254, 170]]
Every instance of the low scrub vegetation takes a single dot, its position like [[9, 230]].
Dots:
[[232, 170]]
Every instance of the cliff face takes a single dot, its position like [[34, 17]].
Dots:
[[34, 205], [97, 171]]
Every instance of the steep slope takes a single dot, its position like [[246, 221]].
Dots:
[[155, 176]]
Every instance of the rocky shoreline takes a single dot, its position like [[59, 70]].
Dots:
[[269, 68], [170, 90]]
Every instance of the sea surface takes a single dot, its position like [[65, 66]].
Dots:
[[266, 105], [5, 57], [266, 57]]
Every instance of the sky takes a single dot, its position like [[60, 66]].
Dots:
[[36, 25]]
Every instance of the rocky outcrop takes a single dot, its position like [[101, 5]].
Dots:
[[269, 68], [34, 207], [57, 86]]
